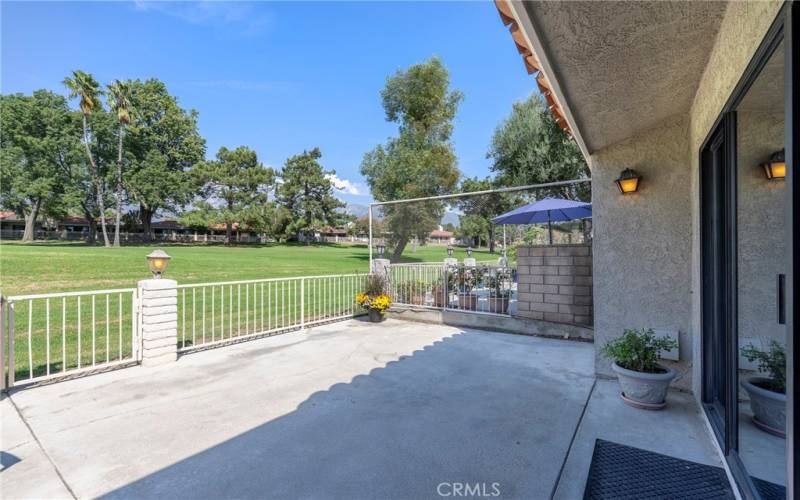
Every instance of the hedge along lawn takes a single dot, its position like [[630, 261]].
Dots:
[[61, 267]]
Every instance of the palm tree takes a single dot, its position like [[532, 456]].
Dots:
[[119, 100], [84, 86]]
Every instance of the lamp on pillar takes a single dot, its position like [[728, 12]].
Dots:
[[469, 251], [449, 250], [380, 247], [158, 260]]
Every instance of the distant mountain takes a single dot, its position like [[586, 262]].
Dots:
[[450, 218], [362, 210]]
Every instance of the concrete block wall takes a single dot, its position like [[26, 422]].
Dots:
[[159, 321], [554, 283]]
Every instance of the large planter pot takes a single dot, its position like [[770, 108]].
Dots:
[[468, 301], [438, 297], [644, 390], [498, 305], [769, 407], [375, 316]]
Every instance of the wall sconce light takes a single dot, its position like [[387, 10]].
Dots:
[[158, 260], [469, 251], [449, 250], [381, 248], [628, 181], [775, 168]]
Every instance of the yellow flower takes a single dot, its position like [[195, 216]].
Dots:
[[381, 302]]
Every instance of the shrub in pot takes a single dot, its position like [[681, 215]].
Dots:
[[499, 284], [440, 292], [643, 381], [413, 291], [768, 394], [466, 280]]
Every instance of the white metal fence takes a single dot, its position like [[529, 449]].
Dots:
[[55, 334], [213, 313], [482, 288]]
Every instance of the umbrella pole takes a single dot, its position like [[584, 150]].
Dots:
[[550, 228], [504, 240]]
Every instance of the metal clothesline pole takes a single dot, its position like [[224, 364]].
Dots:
[[369, 243], [472, 193]]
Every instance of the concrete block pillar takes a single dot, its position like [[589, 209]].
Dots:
[[470, 262], [159, 321], [451, 262]]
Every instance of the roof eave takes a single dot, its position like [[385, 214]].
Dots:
[[513, 12]]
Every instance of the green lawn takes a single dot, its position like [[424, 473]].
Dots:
[[58, 267], [68, 332]]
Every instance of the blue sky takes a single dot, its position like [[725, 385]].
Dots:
[[278, 77]]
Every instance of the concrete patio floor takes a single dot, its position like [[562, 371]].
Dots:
[[346, 410]]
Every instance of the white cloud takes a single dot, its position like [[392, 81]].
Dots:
[[344, 185], [242, 14]]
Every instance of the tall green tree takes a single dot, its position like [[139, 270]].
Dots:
[[420, 162], [481, 209], [530, 148], [83, 86], [119, 101], [163, 144], [239, 184], [38, 142], [307, 193]]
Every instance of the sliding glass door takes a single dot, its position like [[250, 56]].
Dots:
[[748, 241]]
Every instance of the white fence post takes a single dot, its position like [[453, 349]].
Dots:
[[11, 368], [302, 303], [158, 321], [2, 344]]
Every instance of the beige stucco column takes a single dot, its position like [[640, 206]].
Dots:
[[159, 321]]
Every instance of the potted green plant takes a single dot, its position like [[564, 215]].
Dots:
[[466, 280], [643, 381], [373, 298], [411, 291], [768, 394], [440, 291], [499, 285]]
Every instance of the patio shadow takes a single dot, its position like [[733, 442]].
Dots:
[[495, 410]]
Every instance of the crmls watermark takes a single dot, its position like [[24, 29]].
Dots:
[[457, 489]]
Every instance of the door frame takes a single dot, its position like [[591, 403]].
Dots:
[[785, 28]]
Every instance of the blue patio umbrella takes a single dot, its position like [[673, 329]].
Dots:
[[546, 211]]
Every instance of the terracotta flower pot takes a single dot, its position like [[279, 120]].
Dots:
[[468, 301], [498, 305], [438, 297]]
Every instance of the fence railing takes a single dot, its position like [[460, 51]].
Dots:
[[54, 334], [213, 313], [482, 288]]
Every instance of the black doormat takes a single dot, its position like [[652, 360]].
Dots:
[[769, 491], [623, 472]]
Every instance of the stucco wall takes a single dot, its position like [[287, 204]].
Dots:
[[740, 33], [642, 242]]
